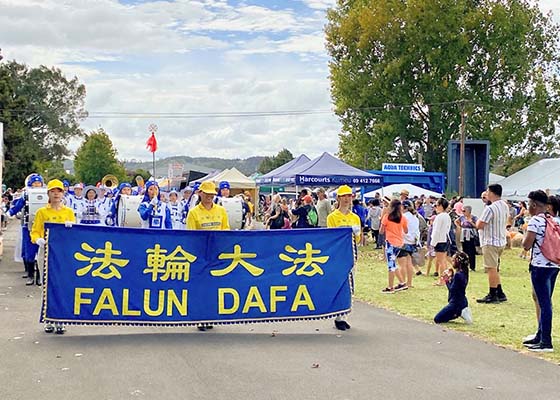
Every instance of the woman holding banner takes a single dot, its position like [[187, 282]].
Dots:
[[55, 212], [344, 217]]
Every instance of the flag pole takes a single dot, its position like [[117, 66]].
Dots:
[[153, 147]]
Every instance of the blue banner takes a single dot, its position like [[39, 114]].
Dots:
[[121, 276]]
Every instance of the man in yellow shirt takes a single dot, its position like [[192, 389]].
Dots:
[[206, 215], [55, 211], [344, 217]]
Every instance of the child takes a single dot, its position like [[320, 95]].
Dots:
[[456, 279]]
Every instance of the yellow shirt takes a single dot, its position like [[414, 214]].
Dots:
[[215, 219], [336, 219], [48, 214]]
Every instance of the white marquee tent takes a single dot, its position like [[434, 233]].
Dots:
[[394, 190], [544, 174]]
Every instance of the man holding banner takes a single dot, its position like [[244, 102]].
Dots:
[[342, 217]]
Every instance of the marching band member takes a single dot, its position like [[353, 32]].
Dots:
[[67, 196], [207, 215], [104, 199], [112, 218], [55, 212], [223, 192], [175, 210], [153, 212], [91, 214], [77, 201], [28, 249]]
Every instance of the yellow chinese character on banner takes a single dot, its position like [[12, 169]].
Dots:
[[309, 266], [175, 266], [237, 258], [107, 262]]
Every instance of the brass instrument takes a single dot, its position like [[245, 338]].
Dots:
[[110, 181], [139, 181]]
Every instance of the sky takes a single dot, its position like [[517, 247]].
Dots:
[[183, 56]]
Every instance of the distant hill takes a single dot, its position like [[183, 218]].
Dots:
[[201, 164]]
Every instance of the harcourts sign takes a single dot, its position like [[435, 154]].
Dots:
[[390, 167]]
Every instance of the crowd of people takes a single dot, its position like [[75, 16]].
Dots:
[[414, 233], [418, 233]]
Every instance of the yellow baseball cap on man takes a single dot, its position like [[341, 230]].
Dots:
[[344, 190], [55, 184], [208, 187]]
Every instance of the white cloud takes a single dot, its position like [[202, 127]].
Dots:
[[320, 4]]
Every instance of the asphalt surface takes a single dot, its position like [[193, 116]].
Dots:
[[383, 356]]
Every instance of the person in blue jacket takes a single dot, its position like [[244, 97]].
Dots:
[[153, 212], [456, 279], [113, 216], [28, 249]]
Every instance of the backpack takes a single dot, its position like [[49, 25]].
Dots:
[[550, 247], [312, 217]]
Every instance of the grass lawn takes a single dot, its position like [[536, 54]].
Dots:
[[504, 324]]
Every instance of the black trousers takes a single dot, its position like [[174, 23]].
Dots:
[[470, 249]]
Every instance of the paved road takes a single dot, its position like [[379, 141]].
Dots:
[[383, 356]]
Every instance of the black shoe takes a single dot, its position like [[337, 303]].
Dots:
[[473, 269], [531, 342], [436, 274], [202, 328], [60, 330], [540, 348], [25, 276], [49, 328], [341, 325], [501, 297], [488, 299], [418, 273], [30, 281]]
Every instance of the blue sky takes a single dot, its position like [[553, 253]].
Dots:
[[189, 56]]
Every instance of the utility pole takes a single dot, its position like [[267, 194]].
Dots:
[[462, 150]]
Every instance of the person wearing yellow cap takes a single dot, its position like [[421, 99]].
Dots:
[[55, 212], [207, 215], [344, 217]]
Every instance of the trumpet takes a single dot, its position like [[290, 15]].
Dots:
[[110, 181]]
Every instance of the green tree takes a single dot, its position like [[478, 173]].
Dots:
[[400, 70], [53, 169], [96, 158], [41, 110], [270, 163]]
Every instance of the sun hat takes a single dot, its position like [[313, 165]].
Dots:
[[55, 184]]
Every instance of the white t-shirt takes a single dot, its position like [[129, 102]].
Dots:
[[413, 228], [537, 225]]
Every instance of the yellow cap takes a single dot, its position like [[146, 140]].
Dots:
[[344, 190], [208, 187], [55, 184]]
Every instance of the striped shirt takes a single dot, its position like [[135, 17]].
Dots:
[[495, 216]]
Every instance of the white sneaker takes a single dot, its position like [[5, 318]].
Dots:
[[529, 337], [466, 314]]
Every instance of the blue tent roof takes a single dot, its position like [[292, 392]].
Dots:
[[327, 170], [281, 170]]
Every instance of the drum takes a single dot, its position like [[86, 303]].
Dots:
[[36, 198], [234, 209], [127, 213]]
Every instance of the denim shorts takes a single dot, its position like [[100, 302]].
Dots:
[[441, 247]]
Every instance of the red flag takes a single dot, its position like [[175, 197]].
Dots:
[[151, 143]]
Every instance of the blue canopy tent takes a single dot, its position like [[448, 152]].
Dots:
[[269, 178], [327, 170]]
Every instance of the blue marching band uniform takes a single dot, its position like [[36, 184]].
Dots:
[[154, 213], [28, 249]]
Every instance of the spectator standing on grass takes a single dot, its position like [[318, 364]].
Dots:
[[374, 217], [394, 226], [440, 234], [493, 223], [543, 271], [411, 241], [469, 235]]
